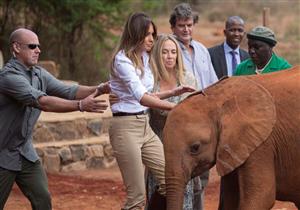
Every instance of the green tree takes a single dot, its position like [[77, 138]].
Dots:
[[72, 32]]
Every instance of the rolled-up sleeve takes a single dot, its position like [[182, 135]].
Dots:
[[128, 74], [18, 88]]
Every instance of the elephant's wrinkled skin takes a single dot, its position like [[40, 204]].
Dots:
[[250, 128]]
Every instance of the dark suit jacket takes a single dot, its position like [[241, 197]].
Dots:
[[218, 59]]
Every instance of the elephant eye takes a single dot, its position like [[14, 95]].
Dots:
[[194, 149]]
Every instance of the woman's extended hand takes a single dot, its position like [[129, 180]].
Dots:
[[182, 89]]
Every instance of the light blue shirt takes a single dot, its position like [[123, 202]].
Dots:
[[129, 84], [228, 57], [199, 64]]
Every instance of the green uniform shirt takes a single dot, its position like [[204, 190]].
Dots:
[[247, 67]]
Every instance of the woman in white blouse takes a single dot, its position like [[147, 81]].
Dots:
[[133, 141]]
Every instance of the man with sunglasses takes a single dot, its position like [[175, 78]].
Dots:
[[25, 90]]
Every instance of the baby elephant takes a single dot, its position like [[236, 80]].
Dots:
[[248, 126]]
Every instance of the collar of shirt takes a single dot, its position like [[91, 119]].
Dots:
[[19, 65], [181, 44], [228, 57], [228, 49]]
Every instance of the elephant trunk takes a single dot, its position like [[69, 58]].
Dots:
[[175, 192]]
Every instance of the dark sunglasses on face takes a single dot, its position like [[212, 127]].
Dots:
[[33, 46], [30, 46]]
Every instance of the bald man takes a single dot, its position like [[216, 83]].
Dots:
[[226, 56], [25, 90]]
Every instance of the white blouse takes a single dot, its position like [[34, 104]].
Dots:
[[128, 84]]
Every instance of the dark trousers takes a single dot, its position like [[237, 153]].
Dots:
[[31, 180], [221, 199]]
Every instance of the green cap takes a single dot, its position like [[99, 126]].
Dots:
[[264, 34]]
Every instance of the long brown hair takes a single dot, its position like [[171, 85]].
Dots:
[[134, 33]]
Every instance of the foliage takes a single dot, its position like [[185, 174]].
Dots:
[[70, 31], [80, 35]]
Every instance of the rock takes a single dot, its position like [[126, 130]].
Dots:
[[95, 151], [78, 152], [108, 151], [50, 150], [69, 129], [95, 126], [52, 162], [94, 162], [40, 152], [76, 166], [42, 133], [65, 154], [109, 162]]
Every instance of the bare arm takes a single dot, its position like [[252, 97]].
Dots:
[[89, 104], [174, 92], [84, 91], [153, 102]]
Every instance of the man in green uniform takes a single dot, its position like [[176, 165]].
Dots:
[[261, 41]]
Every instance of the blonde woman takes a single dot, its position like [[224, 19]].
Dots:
[[133, 141], [169, 73]]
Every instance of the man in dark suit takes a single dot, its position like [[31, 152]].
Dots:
[[226, 56]]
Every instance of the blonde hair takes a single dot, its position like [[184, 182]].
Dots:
[[134, 33], [158, 68]]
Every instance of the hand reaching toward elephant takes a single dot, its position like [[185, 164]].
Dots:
[[174, 92], [182, 89]]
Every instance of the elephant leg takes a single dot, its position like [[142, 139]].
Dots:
[[230, 192], [257, 185]]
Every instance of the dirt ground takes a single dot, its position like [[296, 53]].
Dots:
[[102, 190]]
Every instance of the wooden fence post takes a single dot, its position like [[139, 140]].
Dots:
[[266, 16]]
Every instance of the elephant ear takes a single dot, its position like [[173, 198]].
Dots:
[[247, 120]]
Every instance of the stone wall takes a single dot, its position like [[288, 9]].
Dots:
[[73, 143], [76, 157]]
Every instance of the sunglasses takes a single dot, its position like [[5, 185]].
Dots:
[[31, 46]]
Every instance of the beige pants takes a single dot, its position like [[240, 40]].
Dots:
[[135, 145]]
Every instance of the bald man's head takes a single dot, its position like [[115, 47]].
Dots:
[[25, 46], [20, 34], [234, 20]]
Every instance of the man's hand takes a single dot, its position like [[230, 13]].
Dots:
[[182, 89], [92, 104]]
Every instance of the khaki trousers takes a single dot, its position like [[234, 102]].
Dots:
[[135, 145]]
